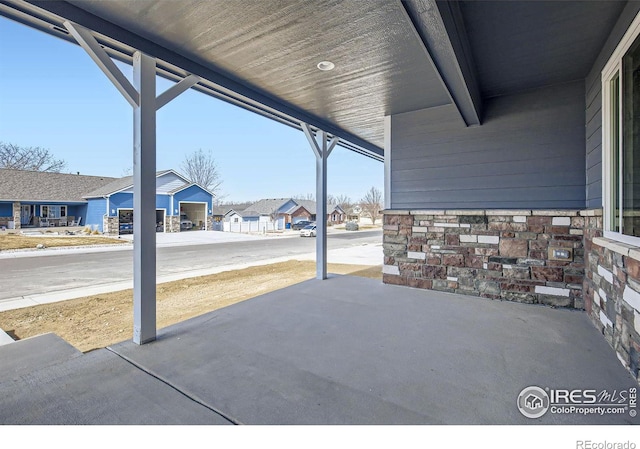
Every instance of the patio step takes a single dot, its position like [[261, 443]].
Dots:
[[24, 356]]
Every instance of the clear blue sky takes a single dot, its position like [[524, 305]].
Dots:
[[52, 95]]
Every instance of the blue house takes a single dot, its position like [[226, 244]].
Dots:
[[41, 199], [31, 199], [180, 205]]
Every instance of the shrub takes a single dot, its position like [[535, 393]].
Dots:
[[351, 226]]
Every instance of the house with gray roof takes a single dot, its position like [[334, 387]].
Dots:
[[287, 211], [35, 199]]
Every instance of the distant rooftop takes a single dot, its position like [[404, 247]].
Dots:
[[26, 185]]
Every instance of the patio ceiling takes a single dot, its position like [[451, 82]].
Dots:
[[390, 56]]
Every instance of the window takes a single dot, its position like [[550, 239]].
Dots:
[[621, 139], [54, 211]]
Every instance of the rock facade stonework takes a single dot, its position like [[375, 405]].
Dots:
[[612, 293], [16, 216], [110, 225], [172, 223], [493, 254]]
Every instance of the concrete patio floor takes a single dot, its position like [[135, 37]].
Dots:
[[346, 350]]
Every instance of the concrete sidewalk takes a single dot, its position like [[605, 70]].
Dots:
[[347, 350]]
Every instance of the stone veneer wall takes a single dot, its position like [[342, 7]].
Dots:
[[110, 225], [499, 254], [172, 223], [17, 222], [209, 222], [612, 292]]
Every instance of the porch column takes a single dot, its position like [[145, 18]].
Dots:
[[141, 95], [322, 149], [387, 162], [144, 200]]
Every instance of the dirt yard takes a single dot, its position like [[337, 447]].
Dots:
[[18, 241], [101, 320]]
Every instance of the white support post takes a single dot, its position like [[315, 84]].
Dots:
[[86, 40], [141, 95], [322, 149], [387, 162], [175, 90], [144, 200]]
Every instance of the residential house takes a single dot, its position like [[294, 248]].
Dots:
[[509, 131], [35, 199], [335, 214], [110, 206]]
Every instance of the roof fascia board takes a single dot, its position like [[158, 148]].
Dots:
[[440, 27], [255, 97], [41, 201], [185, 187]]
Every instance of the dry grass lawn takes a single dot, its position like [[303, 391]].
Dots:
[[101, 320], [18, 241]]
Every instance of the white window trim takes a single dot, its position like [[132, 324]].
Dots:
[[613, 66], [49, 206]]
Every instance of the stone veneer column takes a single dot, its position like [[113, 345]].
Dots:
[[172, 223], [110, 225], [17, 222], [499, 254], [210, 223], [612, 292]]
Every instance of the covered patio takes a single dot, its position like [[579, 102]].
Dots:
[[493, 122], [346, 350]]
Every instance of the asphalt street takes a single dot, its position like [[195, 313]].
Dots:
[[26, 276]]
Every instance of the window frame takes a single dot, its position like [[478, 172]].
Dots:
[[60, 208], [612, 69]]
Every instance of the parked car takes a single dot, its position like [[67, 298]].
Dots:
[[351, 226], [185, 223], [301, 224], [308, 231], [126, 228]]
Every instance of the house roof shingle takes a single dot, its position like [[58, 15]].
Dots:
[[223, 209], [24, 185], [116, 185], [266, 206]]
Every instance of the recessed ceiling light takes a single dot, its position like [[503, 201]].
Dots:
[[326, 66]]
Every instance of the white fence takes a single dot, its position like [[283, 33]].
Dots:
[[251, 226]]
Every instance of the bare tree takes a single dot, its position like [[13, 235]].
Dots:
[[29, 158], [371, 204], [344, 202], [274, 215], [201, 168], [304, 196]]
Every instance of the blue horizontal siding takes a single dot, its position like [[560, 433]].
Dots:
[[195, 194], [6, 209], [528, 153], [96, 209]]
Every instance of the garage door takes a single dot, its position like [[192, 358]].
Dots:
[[196, 212], [125, 220]]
